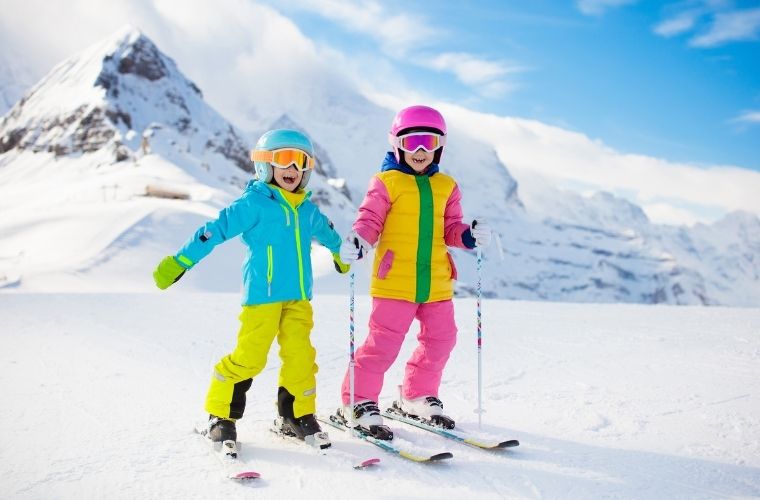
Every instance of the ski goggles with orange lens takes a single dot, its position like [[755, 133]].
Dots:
[[416, 140], [284, 158]]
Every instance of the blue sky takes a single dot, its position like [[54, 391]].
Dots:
[[678, 80]]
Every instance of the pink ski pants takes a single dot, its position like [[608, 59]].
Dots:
[[388, 324]]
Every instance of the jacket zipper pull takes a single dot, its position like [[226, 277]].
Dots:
[[287, 215]]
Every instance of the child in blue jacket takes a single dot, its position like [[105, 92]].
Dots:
[[276, 221]]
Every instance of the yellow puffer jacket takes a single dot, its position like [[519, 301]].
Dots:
[[413, 218]]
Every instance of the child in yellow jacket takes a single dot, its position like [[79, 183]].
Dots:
[[411, 213]]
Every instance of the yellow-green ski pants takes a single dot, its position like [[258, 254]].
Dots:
[[291, 322]]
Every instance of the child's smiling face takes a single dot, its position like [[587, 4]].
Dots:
[[287, 178], [419, 160]]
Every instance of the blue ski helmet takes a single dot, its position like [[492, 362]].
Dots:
[[279, 139]]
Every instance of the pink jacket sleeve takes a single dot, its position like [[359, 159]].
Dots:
[[372, 212], [453, 227]]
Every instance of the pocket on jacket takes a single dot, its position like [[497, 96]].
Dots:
[[453, 266], [385, 265]]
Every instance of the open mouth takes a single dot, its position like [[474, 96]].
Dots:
[[289, 178], [418, 161]]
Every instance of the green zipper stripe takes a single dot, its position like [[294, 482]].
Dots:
[[300, 258], [298, 241], [425, 239], [270, 269]]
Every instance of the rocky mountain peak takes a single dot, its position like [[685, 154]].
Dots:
[[110, 96], [142, 58]]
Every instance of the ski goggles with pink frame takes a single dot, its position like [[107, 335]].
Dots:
[[410, 143], [284, 158]]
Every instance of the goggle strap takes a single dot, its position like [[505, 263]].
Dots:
[[262, 155]]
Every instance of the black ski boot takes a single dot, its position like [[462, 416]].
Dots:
[[305, 428], [221, 429]]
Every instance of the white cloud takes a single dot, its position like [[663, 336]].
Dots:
[[666, 213], [717, 21], [599, 7], [411, 39], [396, 32], [47, 32], [469, 69], [748, 117], [730, 27], [681, 23], [236, 50], [475, 72]]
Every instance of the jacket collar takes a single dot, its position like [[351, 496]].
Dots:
[[390, 163], [264, 189]]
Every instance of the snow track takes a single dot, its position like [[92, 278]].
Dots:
[[100, 393]]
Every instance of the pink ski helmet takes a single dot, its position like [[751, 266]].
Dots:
[[417, 119]]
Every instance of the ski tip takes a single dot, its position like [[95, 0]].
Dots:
[[492, 446], [509, 444], [366, 463], [241, 476], [432, 458]]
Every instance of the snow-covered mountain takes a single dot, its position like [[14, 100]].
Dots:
[[79, 151], [85, 155], [110, 97]]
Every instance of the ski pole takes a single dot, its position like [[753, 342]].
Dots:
[[480, 409], [351, 346], [499, 246]]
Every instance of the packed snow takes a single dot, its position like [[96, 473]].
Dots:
[[101, 392]]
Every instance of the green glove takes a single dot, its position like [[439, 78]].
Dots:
[[339, 265], [168, 272]]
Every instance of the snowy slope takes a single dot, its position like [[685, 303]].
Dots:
[[621, 401]]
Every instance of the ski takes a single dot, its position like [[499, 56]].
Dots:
[[340, 423], [228, 454], [396, 414], [324, 448]]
